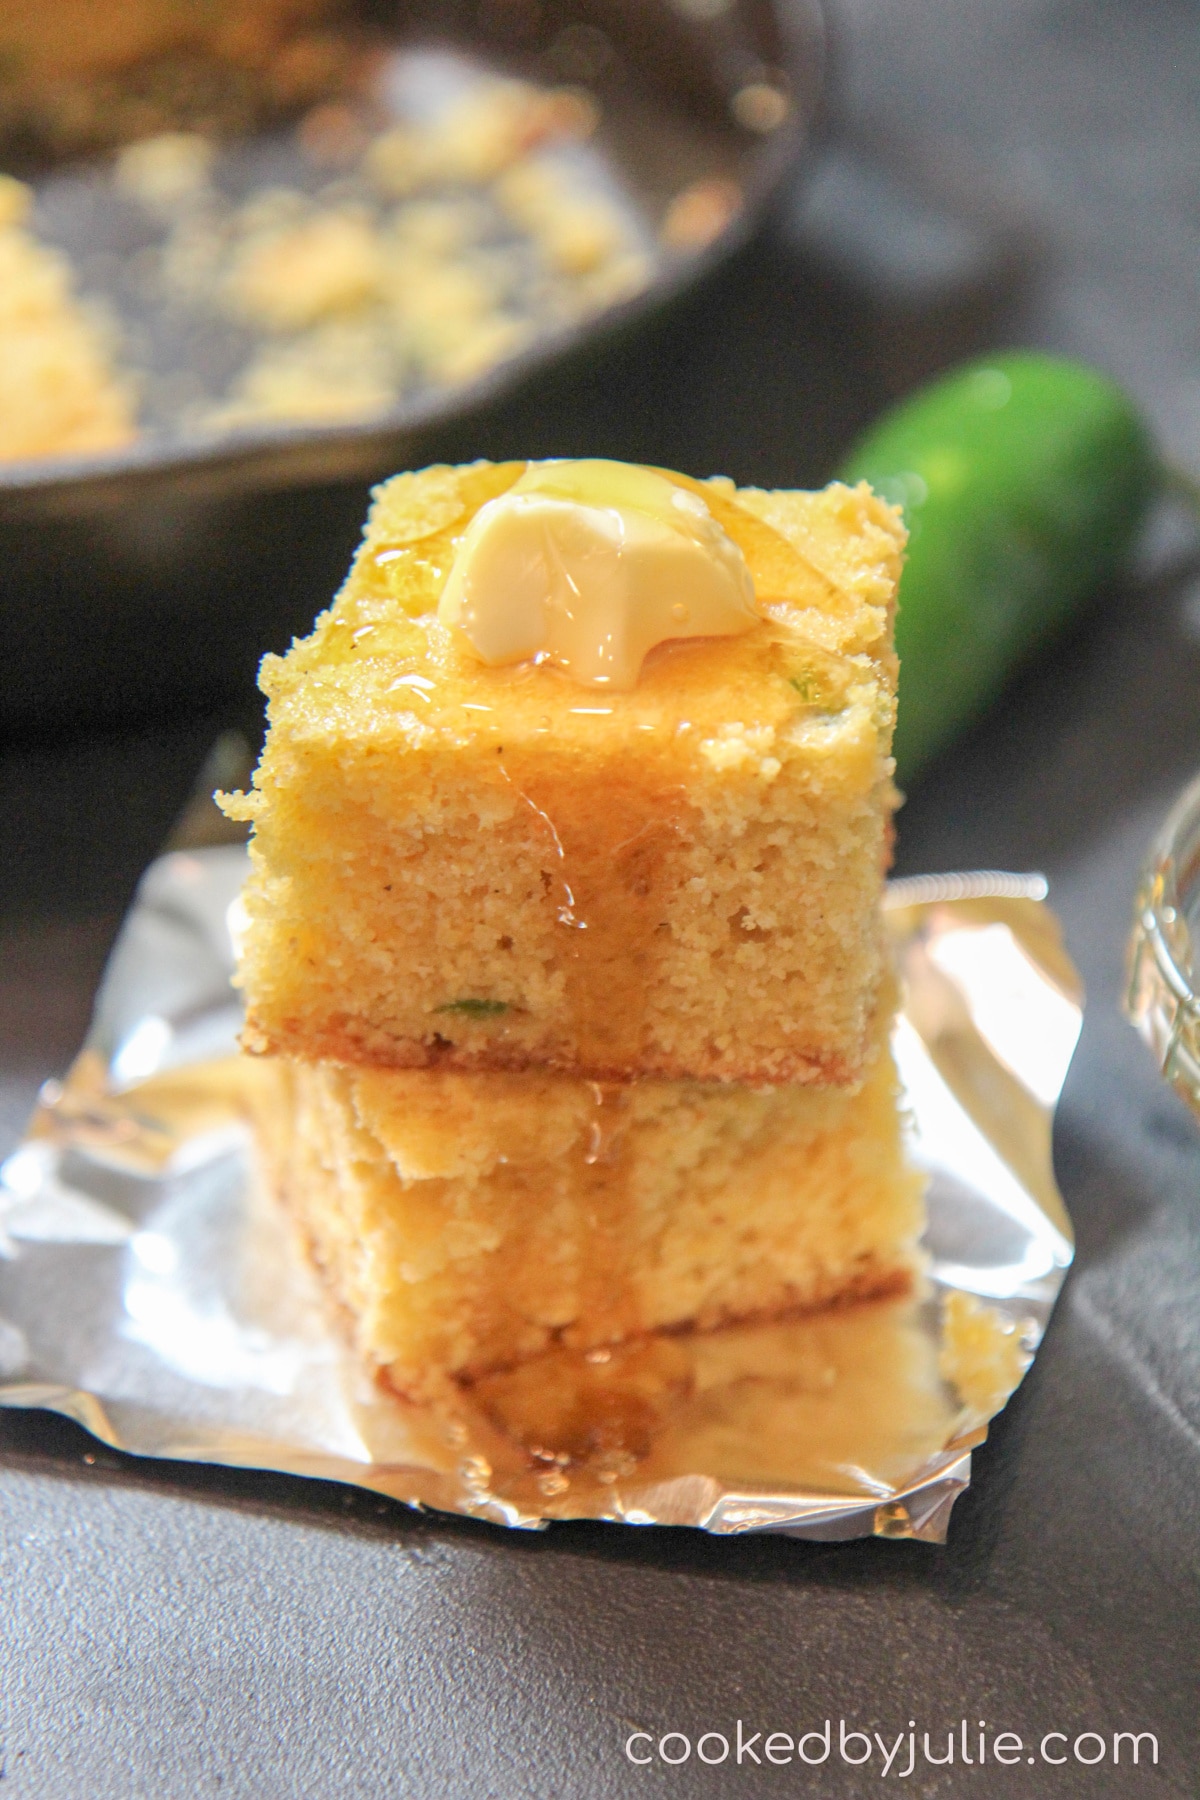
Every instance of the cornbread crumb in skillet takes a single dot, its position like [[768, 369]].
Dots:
[[59, 392], [500, 869], [467, 1221]]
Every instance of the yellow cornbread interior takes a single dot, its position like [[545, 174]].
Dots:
[[498, 869], [467, 1222]]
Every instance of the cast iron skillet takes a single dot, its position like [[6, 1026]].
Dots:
[[669, 81], [155, 575]]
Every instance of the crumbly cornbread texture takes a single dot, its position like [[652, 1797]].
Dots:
[[467, 1221], [59, 393], [501, 869]]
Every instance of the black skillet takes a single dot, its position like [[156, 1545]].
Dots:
[[153, 576]]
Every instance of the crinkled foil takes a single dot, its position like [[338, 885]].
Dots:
[[151, 1289]]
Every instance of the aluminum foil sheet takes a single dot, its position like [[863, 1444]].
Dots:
[[153, 1290]]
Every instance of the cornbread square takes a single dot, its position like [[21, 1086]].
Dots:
[[498, 868], [468, 1221]]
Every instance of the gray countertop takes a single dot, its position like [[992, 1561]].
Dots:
[[170, 1631]]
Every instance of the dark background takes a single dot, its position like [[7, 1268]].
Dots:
[[998, 171]]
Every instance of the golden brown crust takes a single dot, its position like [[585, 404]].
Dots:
[[347, 1049], [876, 1281]]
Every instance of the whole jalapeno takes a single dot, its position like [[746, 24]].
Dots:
[[1023, 478]]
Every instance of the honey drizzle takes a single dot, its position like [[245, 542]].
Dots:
[[606, 1292], [566, 912], [609, 848], [846, 1400], [774, 558]]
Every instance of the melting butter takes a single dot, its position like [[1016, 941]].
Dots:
[[589, 565]]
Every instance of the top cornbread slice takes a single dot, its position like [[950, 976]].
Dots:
[[500, 868]]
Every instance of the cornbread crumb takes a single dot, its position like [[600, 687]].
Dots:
[[329, 262], [165, 171], [332, 374], [480, 136], [59, 392], [576, 232], [982, 1356], [16, 202], [700, 212]]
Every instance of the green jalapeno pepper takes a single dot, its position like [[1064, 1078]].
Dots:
[[1023, 479]]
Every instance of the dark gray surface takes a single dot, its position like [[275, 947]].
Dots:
[[168, 1632]]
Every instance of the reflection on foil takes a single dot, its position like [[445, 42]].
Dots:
[[1005, 1244], [150, 1288], [198, 1336], [165, 1000], [14, 1351], [37, 1206], [1026, 1022]]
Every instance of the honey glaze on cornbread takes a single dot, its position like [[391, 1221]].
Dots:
[[499, 867], [608, 858], [586, 565]]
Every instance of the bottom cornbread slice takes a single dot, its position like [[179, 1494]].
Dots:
[[468, 1221]]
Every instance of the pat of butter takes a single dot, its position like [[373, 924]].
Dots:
[[589, 565]]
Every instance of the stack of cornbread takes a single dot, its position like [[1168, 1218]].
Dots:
[[564, 920]]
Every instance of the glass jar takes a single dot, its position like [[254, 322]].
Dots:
[[1162, 999]]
